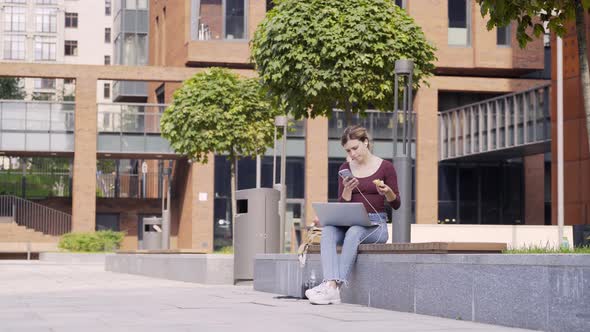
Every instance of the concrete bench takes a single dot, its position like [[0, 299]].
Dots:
[[541, 292]]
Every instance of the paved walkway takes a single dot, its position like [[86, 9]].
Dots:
[[38, 296]]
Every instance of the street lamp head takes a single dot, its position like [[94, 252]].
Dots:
[[404, 67], [281, 121]]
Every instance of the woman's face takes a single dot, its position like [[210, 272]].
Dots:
[[356, 150]]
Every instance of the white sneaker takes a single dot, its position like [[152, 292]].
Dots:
[[315, 290], [326, 295]]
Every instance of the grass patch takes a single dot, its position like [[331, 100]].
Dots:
[[101, 241], [225, 250], [548, 250]]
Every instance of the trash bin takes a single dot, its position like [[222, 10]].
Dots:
[[256, 228], [152, 234]]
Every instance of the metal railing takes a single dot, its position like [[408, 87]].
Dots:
[[380, 124], [505, 122], [35, 216], [131, 128], [36, 126], [128, 185]]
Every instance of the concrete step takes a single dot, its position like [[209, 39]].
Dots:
[[4, 220], [26, 246], [12, 232]]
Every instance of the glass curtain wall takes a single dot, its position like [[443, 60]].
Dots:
[[481, 193]]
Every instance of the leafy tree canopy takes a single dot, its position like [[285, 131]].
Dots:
[[320, 54], [530, 16], [216, 111], [10, 88]]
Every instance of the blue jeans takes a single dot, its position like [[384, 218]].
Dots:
[[338, 268]]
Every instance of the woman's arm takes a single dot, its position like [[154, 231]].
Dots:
[[391, 181]]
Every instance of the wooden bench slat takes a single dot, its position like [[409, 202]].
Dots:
[[426, 248]]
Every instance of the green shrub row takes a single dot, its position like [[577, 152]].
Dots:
[[91, 242]]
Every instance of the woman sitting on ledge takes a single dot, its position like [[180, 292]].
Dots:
[[377, 180]]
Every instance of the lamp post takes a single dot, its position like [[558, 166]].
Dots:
[[281, 122], [402, 158]]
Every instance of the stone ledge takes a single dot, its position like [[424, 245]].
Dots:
[[542, 292], [198, 268], [73, 258]]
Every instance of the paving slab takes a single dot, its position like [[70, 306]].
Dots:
[[50, 296]]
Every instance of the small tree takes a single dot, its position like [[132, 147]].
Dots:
[[530, 17], [10, 88], [217, 112], [315, 55]]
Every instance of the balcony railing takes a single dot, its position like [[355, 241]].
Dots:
[[131, 128], [502, 123], [38, 126]]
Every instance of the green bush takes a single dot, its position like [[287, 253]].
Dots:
[[91, 242]]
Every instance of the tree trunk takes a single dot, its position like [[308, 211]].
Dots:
[[233, 186], [583, 58]]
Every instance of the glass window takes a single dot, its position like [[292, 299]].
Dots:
[[459, 22], [234, 19], [107, 7], [503, 36], [107, 35], [14, 47], [71, 20], [15, 1], [143, 4], [107, 91], [131, 4], [400, 3], [46, 20], [107, 60], [44, 83], [47, 2], [45, 48], [14, 19], [71, 47], [220, 19]]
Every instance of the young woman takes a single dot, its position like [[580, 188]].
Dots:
[[373, 182]]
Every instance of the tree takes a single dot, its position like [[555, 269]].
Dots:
[[10, 88], [530, 17], [217, 112], [314, 55]]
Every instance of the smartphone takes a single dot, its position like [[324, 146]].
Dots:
[[345, 173]]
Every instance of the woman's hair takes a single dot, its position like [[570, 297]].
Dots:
[[355, 132]]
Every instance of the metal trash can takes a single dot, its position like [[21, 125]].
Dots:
[[256, 228], [151, 234]]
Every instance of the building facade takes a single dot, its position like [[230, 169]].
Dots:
[[473, 159], [57, 31], [473, 65]]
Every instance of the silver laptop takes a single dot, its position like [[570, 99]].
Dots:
[[342, 214]]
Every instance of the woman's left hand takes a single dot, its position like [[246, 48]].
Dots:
[[383, 189], [386, 191]]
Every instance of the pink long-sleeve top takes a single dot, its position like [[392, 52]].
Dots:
[[386, 173]]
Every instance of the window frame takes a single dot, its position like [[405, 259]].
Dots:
[[72, 19], [468, 25], [107, 35], [72, 45]]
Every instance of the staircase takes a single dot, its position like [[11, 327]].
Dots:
[[15, 238], [34, 216]]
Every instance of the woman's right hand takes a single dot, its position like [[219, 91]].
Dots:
[[350, 183]]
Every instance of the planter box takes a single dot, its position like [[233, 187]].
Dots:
[[199, 268], [515, 236], [545, 292]]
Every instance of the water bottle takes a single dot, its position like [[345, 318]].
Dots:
[[310, 283], [565, 243]]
